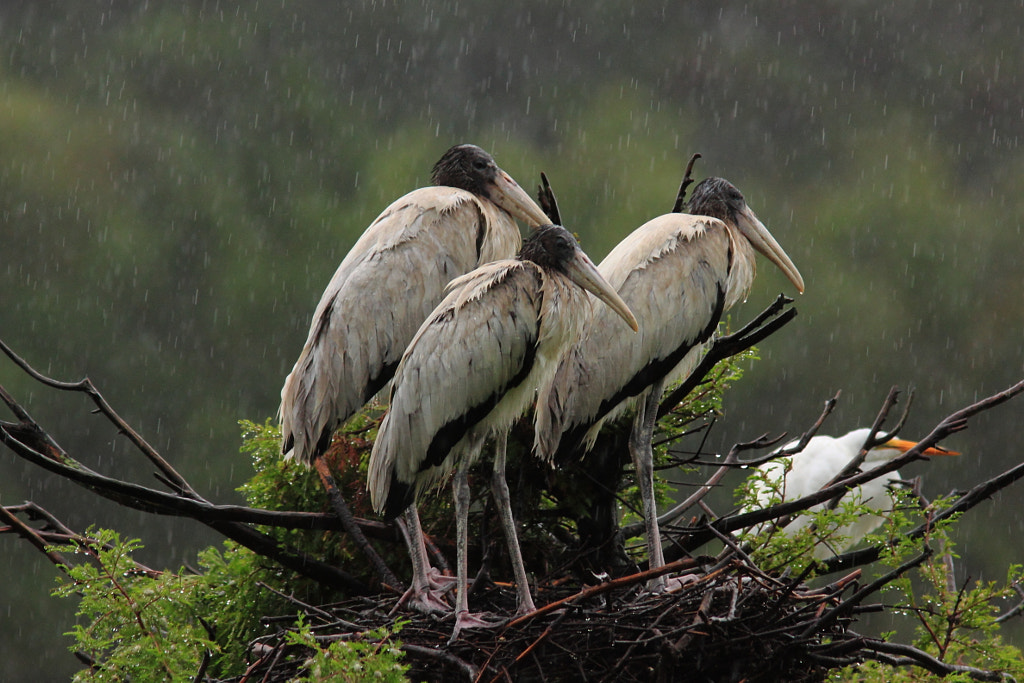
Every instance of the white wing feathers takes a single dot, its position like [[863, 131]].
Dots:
[[384, 288], [672, 273], [455, 371]]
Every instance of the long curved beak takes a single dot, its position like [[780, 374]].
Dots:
[[583, 272], [904, 446], [755, 232], [506, 193]]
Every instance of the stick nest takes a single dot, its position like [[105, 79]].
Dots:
[[729, 624]]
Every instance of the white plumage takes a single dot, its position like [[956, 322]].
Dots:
[[472, 369], [593, 383], [818, 463], [677, 273], [389, 282]]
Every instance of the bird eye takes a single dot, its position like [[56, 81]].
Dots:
[[480, 164]]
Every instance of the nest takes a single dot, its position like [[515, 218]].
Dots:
[[730, 623]]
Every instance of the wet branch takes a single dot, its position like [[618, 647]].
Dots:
[[766, 323], [27, 439], [952, 424]]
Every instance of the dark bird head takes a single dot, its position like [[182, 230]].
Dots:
[[554, 249], [718, 198], [470, 168]]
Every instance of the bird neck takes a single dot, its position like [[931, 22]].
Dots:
[[742, 268]]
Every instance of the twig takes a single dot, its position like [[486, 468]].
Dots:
[[731, 460], [544, 634], [547, 201], [873, 439], [348, 522], [1016, 609], [310, 609], [864, 592], [766, 323], [443, 656], [32, 536], [632, 579], [911, 655], [178, 483], [687, 181]]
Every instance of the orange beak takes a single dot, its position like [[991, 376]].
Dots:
[[905, 446]]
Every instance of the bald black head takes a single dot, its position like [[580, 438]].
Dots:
[[466, 167], [551, 247], [716, 197]]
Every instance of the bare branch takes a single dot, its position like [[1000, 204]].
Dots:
[[687, 181], [547, 201], [159, 502], [766, 323], [85, 386]]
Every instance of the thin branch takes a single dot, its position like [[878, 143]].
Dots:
[[907, 655], [32, 536], [846, 605], [730, 461], [85, 386], [547, 201], [766, 323], [631, 580], [442, 656], [687, 181], [1016, 609]]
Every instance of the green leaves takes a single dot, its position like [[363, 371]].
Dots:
[[374, 656], [137, 625]]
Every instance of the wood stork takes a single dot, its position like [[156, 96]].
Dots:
[[387, 285], [817, 464], [472, 369], [678, 273]]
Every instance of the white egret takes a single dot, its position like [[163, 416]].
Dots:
[[818, 463]]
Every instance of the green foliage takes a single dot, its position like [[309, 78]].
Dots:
[[138, 626], [953, 624], [160, 625], [277, 484], [281, 484], [143, 626], [375, 656]]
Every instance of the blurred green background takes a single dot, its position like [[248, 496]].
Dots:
[[179, 180]]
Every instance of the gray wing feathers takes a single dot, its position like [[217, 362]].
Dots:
[[669, 272], [463, 356], [387, 285]]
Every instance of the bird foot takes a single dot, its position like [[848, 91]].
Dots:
[[524, 607], [657, 585], [440, 582], [425, 600], [467, 620], [677, 583]]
